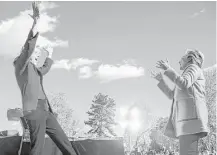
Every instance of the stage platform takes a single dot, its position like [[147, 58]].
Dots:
[[10, 146]]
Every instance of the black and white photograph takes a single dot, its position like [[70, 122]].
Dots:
[[108, 77]]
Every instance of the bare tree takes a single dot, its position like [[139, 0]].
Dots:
[[64, 114], [209, 142]]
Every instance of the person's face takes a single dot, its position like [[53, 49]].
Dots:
[[38, 58], [183, 62], [34, 57]]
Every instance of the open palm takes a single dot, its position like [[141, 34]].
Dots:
[[156, 75], [35, 8]]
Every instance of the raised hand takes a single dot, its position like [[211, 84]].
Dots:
[[36, 13], [164, 65], [49, 52], [156, 75], [46, 49]]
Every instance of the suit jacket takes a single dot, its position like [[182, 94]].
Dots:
[[29, 78], [189, 114]]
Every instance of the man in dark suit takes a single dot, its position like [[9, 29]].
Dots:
[[36, 108]]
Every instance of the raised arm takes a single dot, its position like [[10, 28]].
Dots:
[[29, 46], [48, 62], [185, 80], [162, 85], [46, 67], [165, 89]]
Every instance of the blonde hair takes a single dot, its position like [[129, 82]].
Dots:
[[195, 56]]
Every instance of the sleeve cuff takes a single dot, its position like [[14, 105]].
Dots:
[[160, 83], [167, 70]]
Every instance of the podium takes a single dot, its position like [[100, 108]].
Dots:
[[10, 146], [98, 147]]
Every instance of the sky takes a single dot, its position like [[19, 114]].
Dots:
[[105, 47]]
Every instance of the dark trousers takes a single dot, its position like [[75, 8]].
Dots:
[[188, 144], [41, 121]]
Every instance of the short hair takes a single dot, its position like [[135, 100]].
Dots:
[[196, 56]]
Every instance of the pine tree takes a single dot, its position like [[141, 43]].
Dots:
[[101, 116]]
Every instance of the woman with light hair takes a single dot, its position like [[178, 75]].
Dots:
[[188, 119]]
